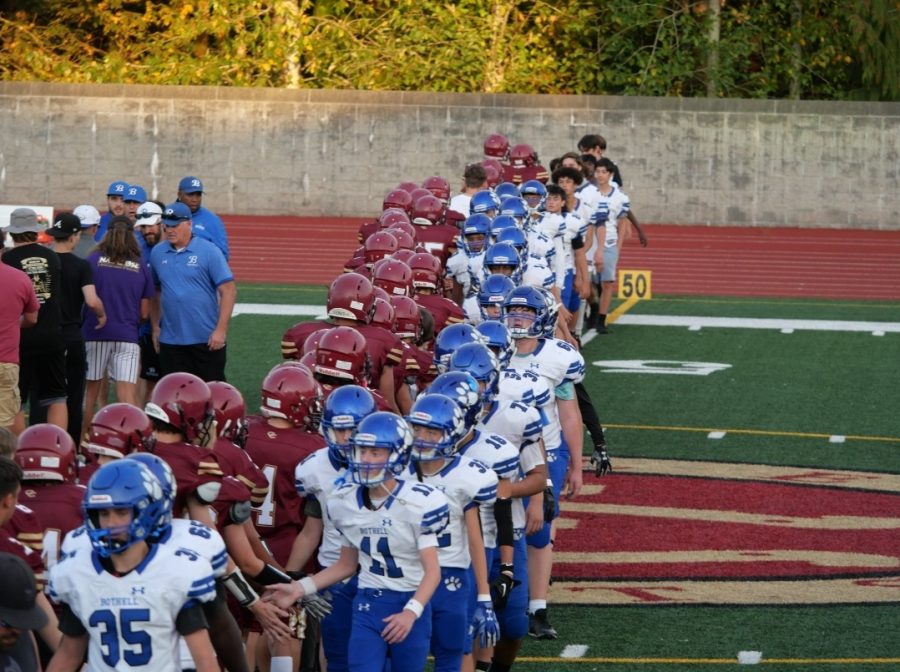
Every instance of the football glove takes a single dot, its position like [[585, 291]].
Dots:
[[549, 504], [502, 586], [600, 461], [318, 605], [485, 624]]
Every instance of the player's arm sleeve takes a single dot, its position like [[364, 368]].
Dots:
[[312, 508], [69, 624], [191, 618]]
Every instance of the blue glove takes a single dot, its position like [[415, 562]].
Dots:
[[485, 623]]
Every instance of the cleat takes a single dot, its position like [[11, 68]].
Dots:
[[539, 627]]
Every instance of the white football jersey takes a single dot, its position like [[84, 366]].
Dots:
[[526, 386], [457, 267], [131, 619], [317, 476], [501, 456], [465, 483], [552, 226], [389, 538], [573, 227], [610, 208]]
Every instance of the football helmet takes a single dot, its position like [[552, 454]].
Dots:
[[398, 198], [462, 388], [493, 174], [184, 401], [392, 223], [533, 192], [166, 478], [514, 207], [380, 430], [498, 340], [405, 241], [485, 202], [121, 484], [515, 237], [501, 255], [408, 186], [492, 294], [46, 453], [496, 146], [384, 314], [478, 225], [550, 317], [528, 323], [450, 338], [428, 211], [342, 354], [351, 297], [505, 190], [404, 255], [293, 394], [230, 412], [394, 277], [435, 411], [522, 155], [312, 341], [366, 229], [407, 319], [393, 216], [478, 360], [378, 246], [427, 271], [119, 429], [438, 186], [501, 223], [345, 408]]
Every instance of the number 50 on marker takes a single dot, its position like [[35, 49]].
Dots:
[[635, 285]]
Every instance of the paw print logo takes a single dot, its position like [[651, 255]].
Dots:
[[452, 583]]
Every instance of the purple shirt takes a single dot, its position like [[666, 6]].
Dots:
[[121, 288]]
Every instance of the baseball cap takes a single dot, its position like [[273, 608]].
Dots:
[[135, 193], [17, 594], [190, 185], [88, 214], [23, 220], [175, 213], [65, 225], [148, 214], [117, 188]]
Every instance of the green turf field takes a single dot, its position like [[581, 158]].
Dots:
[[825, 399]]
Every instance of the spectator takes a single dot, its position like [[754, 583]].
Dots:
[[90, 219], [19, 615], [18, 309], [125, 287], [76, 291], [42, 353], [115, 201], [196, 294], [595, 145], [147, 233], [206, 223], [134, 196]]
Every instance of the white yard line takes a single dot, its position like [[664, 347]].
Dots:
[[574, 651]]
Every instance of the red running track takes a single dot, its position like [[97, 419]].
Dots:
[[686, 260]]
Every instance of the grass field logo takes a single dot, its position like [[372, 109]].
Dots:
[[660, 366]]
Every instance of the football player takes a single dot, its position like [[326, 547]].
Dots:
[[428, 285]]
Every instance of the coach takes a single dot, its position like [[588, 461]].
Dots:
[[195, 297]]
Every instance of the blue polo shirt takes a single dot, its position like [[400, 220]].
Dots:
[[188, 280], [207, 224]]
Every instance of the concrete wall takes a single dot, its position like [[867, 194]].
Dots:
[[309, 152]]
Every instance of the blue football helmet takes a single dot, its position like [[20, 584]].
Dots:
[[380, 430], [550, 317], [477, 360], [122, 484], [166, 478], [498, 340], [436, 411], [345, 408], [503, 254], [536, 316], [505, 190], [449, 339], [462, 388], [500, 224], [515, 208], [485, 202], [533, 193], [492, 293], [477, 224], [516, 238]]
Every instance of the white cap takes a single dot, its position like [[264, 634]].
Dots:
[[88, 214], [147, 214]]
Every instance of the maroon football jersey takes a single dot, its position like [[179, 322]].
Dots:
[[278, 452], [443, 310], [427, 370], [26, 527], [366, 229], [408, 370], [8, 544], [519, 175], [192, 466], [384, 350], [232, 493], [294, 338], [439, 240], [58, 506], [234, 461]]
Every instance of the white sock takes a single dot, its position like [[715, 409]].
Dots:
[[533, 606], [281, 664]]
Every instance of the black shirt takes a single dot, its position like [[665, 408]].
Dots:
[[43, 267], [76, 273]]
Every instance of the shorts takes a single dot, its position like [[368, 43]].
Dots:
[[10, 399], [610, 259], [150, 369], [47, 370], [117, 359]]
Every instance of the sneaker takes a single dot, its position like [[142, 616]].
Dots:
[[602, 329], [539, 627]]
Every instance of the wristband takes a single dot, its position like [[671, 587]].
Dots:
[[308, 585], [483, 598], [549, 483], [237, 585], [415, 606]]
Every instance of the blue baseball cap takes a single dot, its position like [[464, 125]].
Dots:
[[175, 213], [136, 193], [190, 185], [117, 188]]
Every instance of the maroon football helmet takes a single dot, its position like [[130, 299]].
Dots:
[[404, 240], [428, 211], [292, 393], [380, 245], [427, 271], [408, 186], [351, 297], [438, 186], [522, 155], [403, 255], [402, 226], [384, 314], [407, 319], [392, 216], [230, 412], [394, 277], [342, 354], [366, 229], [398, 198], [184, 401], [312, 341], [493, 172], [119, 429], [46, 453], [496, 146]]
